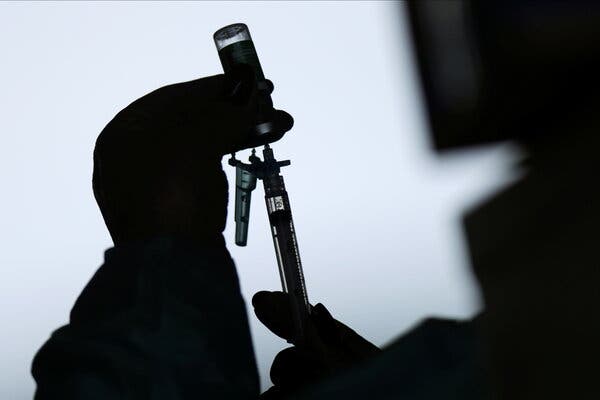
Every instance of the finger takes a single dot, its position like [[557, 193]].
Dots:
[[325, 324], [241, 85], [217, 113], [226, 123], [280, 123], [273, 309], [293, 367], [190, 94], [211, 113], [334, 333], [172, 114], [273, 393]]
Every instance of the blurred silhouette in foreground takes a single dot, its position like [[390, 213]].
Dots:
[[163, 317], [526, 72]]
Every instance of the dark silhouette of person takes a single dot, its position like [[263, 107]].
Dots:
[[163, 317], [526, 72]]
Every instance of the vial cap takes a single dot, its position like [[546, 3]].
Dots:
[[231, 34]]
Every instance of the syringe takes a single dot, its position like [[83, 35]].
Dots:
[[282, 231]]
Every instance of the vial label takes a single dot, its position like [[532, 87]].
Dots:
[[241, 53]]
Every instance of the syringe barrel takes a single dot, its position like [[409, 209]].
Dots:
[[235, 47], [287, 252]]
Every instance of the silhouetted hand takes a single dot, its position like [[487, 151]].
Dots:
[[330, 346], [157, 164]]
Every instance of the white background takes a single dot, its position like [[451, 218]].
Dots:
[[377, 212]]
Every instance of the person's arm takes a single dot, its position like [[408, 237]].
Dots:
[[439, 358], [161, 319]]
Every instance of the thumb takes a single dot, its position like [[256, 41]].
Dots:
[[336, 334], [273, 309]]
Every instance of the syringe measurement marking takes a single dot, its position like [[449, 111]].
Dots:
[[299, 273]]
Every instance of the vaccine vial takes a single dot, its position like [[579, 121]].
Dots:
[[235, 47]]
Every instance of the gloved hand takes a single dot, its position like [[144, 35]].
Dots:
[[157, 164], [330, 346]]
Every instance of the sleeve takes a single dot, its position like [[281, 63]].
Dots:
[[161, 319], [438, 359]]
